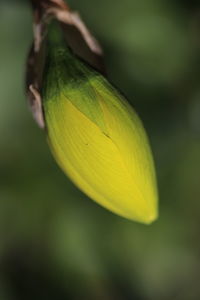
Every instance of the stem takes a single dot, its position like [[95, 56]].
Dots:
[[77, 35], [45, 4]]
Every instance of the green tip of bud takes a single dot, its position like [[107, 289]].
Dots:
[[98, 139]]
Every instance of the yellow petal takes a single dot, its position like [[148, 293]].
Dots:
[[106, 168], [96, 136]]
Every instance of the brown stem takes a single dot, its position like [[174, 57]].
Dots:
[[77, 36], [45, 4]]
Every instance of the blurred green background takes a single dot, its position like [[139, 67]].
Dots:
[[55, 243]]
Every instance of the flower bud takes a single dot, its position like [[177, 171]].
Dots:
[[97, 138]]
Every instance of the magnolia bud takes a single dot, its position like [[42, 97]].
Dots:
[[96, 136]]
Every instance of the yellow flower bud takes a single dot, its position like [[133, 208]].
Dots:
[[97, 138]]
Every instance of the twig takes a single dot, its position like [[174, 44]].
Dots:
[[80, 39]]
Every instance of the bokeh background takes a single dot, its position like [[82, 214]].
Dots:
[[55, 243]]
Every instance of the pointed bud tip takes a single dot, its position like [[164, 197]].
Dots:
[[149, 219]]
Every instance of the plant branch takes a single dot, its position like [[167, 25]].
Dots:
[[77, 36]]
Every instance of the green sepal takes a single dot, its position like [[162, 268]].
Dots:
[[67, 78]]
